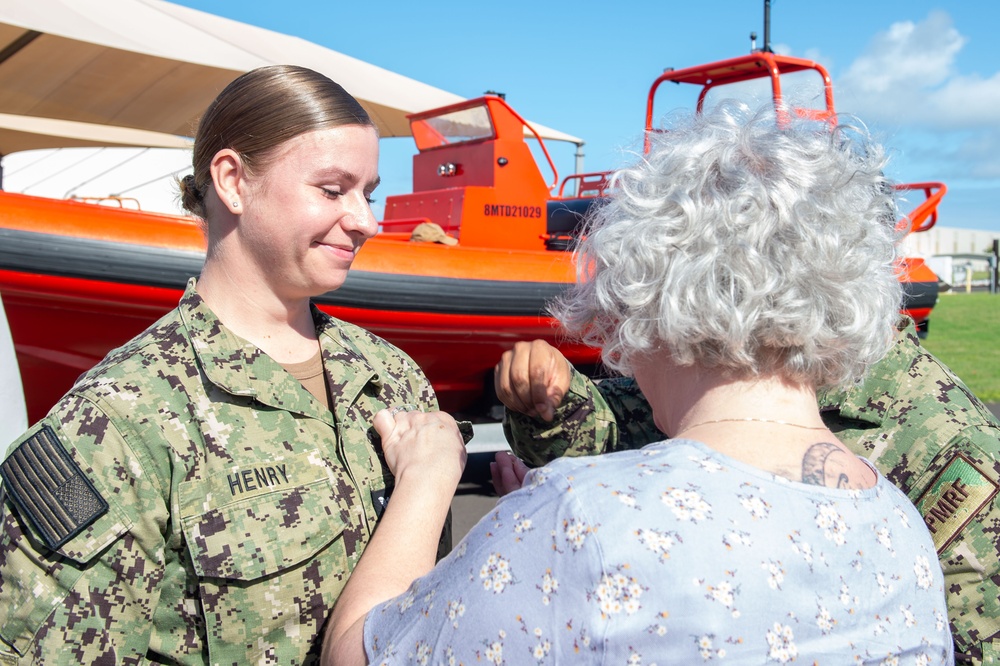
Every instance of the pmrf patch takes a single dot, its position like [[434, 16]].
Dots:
[[954, 497], [49, 489]]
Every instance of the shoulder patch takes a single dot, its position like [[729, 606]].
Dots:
[[953, 498], [49, 488]]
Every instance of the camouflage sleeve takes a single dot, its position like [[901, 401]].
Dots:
[[634, 416], [592, 419], [81, 547], [958, 498], [932, 438]]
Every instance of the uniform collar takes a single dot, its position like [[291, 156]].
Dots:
[[348, 370], [870, 399], [241, 368]]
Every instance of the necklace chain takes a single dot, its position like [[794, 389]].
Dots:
[[757, 420]]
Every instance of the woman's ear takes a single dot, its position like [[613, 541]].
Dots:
[[228, 177]]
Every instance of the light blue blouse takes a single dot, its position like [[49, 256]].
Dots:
[[675, 554]]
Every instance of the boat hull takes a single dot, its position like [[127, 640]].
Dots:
[[75, 289], [78, 280]]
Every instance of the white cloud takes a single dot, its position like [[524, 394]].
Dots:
[[942, 120], [967, 101], [908, 77], [908, 55]]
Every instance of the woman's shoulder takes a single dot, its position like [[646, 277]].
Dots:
[[163, 344], [667, 451], [339, 329], [375, 349], [689, 464], [661, 460]]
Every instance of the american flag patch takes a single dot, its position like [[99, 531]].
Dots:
[[49, 488]]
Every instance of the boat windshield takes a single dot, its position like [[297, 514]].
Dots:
[[459, 126]]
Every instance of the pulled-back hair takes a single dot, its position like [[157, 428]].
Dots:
[[744, 243], [259, 111]]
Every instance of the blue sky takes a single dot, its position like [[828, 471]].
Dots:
[[924, 75]]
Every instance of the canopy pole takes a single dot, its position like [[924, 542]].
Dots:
[[578, 168]]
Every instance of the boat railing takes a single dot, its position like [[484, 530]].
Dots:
[[750, 67], [111, 201], [567, 213], [924, 216], [591, 184]]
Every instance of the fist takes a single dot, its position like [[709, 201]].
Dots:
[[532, 378]]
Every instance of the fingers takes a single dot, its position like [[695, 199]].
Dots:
[[509, 377], [384, 423], [497, 469], [427, 443], [385, 419], [495, 479], [520, 470], [549, 378], [507, 473], [532, 378]]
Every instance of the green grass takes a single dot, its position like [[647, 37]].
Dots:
[[965, 334]]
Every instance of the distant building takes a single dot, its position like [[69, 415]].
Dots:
[[940, 240], [958, 256]]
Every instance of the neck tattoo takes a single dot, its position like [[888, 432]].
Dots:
[[751, 419]]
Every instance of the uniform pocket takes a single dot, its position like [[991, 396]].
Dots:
[[257, 537], [262, 540]]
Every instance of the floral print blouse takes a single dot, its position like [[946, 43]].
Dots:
[[676, 554]]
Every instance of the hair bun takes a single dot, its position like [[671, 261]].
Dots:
[[192, 198]]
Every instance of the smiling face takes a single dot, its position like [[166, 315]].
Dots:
[[307, 213]]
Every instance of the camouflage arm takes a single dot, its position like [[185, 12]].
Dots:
[[92, 598], [959, 501], [592, 419], [932, 438], [634, 416]]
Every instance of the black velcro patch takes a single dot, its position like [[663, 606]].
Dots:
[[50, 489], [380, 499], [465, 427]]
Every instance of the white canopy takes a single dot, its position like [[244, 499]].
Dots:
[[30, 133], [155, 66]]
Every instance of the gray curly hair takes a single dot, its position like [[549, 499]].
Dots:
[[755, 242]]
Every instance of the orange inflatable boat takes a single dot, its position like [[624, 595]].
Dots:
[[78, 279]]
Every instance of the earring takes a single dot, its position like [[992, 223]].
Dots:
[[236, 204]]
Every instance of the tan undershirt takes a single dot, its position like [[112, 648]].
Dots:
[[310, 374]]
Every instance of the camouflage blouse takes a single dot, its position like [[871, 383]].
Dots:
[[189, 502]]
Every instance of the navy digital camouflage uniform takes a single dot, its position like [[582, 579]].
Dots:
[[205, 508], [911, 416]]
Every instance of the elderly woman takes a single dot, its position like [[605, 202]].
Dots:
[[744, 262]]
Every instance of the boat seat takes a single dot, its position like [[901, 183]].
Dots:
[[564, 222]]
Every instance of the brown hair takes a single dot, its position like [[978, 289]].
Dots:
[[258, 112]]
